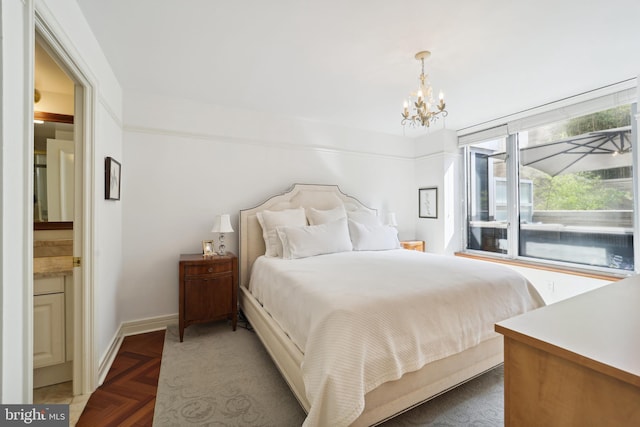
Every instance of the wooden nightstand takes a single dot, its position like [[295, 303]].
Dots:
[[416, 245], [208, 289]]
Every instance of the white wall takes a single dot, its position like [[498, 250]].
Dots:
[[554, 287], [108, 269], [438, 163], [187, 162]]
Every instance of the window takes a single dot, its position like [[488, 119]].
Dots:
[[487, 228], [574, 202], [526, 199]]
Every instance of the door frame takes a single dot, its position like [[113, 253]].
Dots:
[[84, 361]]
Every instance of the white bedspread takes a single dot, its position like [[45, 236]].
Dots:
[[365, 318]]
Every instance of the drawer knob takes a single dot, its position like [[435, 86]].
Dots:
[[210, 269]]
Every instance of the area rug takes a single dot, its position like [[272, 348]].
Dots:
[[218, 377]]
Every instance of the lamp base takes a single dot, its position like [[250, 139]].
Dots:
[[221, 248]]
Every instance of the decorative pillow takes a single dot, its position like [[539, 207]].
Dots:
[[363, 217], [376, 238], [311, 240], [269, 220], [317, 216]]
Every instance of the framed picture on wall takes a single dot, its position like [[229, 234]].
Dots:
[[111, 179], [428, 202]]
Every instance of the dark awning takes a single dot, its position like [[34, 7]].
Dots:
[[604, 149]]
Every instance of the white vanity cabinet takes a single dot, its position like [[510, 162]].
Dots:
[[52, 311], [48, 321]]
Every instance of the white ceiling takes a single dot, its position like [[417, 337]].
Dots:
[[351, 62]]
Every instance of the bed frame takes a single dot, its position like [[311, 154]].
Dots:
[[391, 398]]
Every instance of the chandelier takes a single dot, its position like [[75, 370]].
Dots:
[[424, 111]]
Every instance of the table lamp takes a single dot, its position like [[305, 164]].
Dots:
[[222, 224]]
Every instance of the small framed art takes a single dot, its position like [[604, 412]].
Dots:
[[111, 179], [428, 202], [207, 247]]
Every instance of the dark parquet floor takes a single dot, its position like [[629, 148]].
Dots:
[[128, 395]]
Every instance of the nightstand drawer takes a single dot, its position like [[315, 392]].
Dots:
[[201, 270]]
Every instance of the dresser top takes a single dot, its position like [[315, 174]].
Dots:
[[599, 329], [201, 257]]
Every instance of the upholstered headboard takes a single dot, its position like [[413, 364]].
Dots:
[[300, 195]]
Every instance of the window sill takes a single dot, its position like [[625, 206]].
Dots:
[[547, 267]]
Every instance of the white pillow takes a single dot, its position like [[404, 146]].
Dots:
[[311, 240], [269, 220], [363, 217], [376, 238], [317, 216]]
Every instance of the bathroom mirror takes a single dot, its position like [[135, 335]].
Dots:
[[53, 170]]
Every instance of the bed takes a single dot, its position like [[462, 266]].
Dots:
[[361, 366]]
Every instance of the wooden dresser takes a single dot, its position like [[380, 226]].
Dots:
[[208, 289], [576, 362]]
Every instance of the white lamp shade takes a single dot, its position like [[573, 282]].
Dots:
[[222, 224], [391, 219]]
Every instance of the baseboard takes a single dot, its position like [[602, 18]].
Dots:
[[131, 328], [147, 325], [105, 364]]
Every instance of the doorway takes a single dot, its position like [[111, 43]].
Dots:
[[61, 305]]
